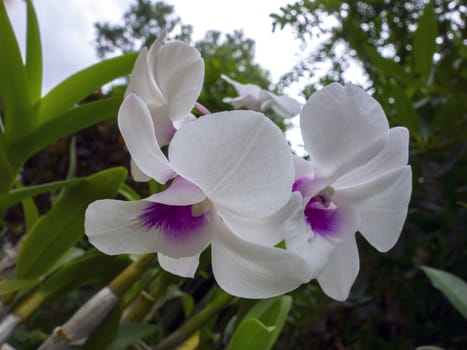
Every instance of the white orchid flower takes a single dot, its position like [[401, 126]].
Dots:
[[254, 98], [168, 77], [228, 170], [357, 179]]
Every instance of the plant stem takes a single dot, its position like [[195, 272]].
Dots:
[[146, 301], [96, 309], [196, 322]]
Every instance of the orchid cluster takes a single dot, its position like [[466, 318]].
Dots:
[[273, 221]]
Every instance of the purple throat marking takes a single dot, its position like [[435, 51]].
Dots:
[[323, 220], [174, 221]]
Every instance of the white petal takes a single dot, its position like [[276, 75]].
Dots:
[[340, 272], [239, 159], [180, 192], [268, 230], [184, 267], [382, 204], [283, 105], [137, 174], [302, 167], [244, 89], [163, 126], [156, 45], [314, 248], [393, 155], [179, 73], [136, 126], [116, 227], [308, 180], [141, 81], [342, 127], [244, 101], [254, 271]]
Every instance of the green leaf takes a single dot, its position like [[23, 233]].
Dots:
[[80, 85], [387, 66], [14, 90], [9, 286], [453, 288], [406, 114], [128, 193], [424, 44], [270, 316], [30, 211], [130, 333], [33, 53], [23, 193], [91, 267], [73, 120], [187, 300], [252, 334], [63, 226]]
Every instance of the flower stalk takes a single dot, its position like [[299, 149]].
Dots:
[[196, 322], [145, 302]]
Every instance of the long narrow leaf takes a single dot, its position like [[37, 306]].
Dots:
[[33, 54], [14, 91], [30, 211], [424, 44], [20, 194], [9, 286], [65, 125], [80, 85], [262, 324], [63, 226], [453, 288]]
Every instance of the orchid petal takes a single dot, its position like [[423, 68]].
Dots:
[[120, 227], [254, 271], [303, 168], [341, 270], [243, 89], [136, 126], [316, 248], [137, 174], [163, 126], [239, 159], [267, 231], [179, 73], [184, 267], [382, 204], [140, 81], [285, 106], [342, 127], [180, 192], [244, 101], [393, 155]]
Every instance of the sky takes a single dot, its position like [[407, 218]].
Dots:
[[67, 32]]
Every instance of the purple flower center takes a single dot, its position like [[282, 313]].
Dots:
[[174, 221], [323, 220]]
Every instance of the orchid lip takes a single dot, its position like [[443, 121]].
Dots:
[[176, 222], [322, 216]]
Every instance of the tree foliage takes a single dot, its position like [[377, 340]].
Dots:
[[231, 54]]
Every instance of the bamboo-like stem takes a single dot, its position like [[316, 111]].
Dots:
[[19, 314], [196, 322], [146, 301], [93, 312]]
